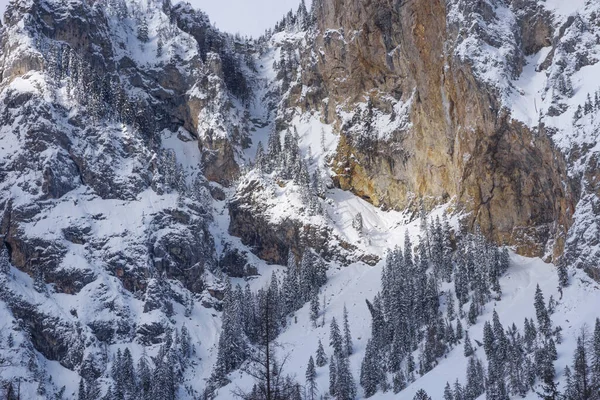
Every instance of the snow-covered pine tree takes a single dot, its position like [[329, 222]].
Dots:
[[399, 382], [142, 30], [189, 305], [311, 384], [332, 376], [541, 312], [348, 348], [4, 261], [39, 282], [259, 159], [317, 185], [127, 373], [459, 329], [475, 379], [549, 389], [450, 307], [159, 47], [314, 307], [595, 359], [488, 339], [421, 395], [581, 377], [345, 388], [232, 348], [144, 377], [458, 391], [82, 392], [186, 346], [468, 346], [321, 359], [335, 339], [371, 371], [448, 393], [570, 392], [563, 274]]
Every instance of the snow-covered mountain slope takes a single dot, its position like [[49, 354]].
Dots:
[[353, 285], [149, 164]]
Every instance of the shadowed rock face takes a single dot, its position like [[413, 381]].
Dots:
[[460, 144]]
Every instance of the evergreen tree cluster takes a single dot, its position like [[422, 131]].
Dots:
[[105, 99], [285, 161], [102, 94], [516, 360], [590, 106], [244, 318], [410, 313], [341, 381], [151, 378], [299, 21], [583, 377]]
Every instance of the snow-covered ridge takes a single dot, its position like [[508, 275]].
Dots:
[[118, 242]]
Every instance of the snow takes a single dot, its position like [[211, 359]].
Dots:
[[352, 285], [124, 225]]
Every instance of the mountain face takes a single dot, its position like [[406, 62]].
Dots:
[[148, 160]]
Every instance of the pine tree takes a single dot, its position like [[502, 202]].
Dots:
[[335, 339], [488, 339], [81, 393], [93, 389], [232, 348], [450, 306], [4, 262], [347, 335], [459, 329], [421, 395], [142, 32], [475, 379], [144, 376], [371, 373], [563, 275], [541, 312], [448, 394], [39, 282], [458, 391], [127, 372], [570, 392], [332, 376], [314, 307], [186, 343], [189, 305], [595, 359], [581, 370], [530, 334], [468, 347], [317, 183], [473, 312], [588, 105], [345, 387], [159, 47], [117, 375], [321, 358], [399, 381], [311, 375]]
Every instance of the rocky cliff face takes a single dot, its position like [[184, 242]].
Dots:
[[407, 63]]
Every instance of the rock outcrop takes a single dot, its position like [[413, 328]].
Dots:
[[460, 142]]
